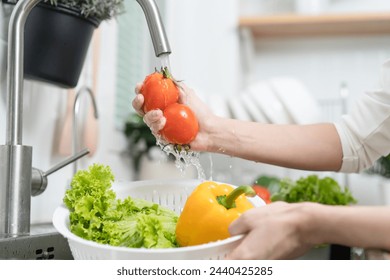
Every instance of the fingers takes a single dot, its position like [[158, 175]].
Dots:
[[245, 249], [138, 87], [185, 93], [155, 120], [188, 97], [240, 252], [137, 103], [241, 225], [182, 92]]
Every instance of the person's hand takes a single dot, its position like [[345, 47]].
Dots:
[[156, 120], [273, 231]]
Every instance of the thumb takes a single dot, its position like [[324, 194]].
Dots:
[[183, 93]]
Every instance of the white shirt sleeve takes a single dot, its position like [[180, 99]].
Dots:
[[365, 131]]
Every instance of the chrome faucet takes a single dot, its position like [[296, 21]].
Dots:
[[156, 27], [16, 172]]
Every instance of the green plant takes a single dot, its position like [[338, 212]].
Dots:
[[381, 167], [139, 137], [99, 9]]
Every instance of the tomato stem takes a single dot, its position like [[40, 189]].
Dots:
[[166, 73]]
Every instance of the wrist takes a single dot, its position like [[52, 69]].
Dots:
[[310, 226], [215, 134], [222, 137]]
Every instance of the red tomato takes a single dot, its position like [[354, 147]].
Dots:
[[181, 126], [263, 193], [159, 91]]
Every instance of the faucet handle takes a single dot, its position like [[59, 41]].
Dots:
[[39, 178]]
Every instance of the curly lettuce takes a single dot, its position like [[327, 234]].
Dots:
[[97, 215], [312, 188]]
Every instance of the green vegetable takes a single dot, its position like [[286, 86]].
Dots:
[[312, 188], [269, 182], [96, 214]]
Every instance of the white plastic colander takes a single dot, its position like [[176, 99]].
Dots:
[[169, 193]]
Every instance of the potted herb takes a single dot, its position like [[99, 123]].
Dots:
[[58, 34], [98, 9]]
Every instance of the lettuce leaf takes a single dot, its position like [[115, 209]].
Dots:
[[314, 189], [97, 215]]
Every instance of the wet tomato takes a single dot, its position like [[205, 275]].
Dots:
[[181, 126], [159, 91], [263, 193]]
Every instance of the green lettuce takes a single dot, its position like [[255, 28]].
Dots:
[[314, 189], [96, 213]]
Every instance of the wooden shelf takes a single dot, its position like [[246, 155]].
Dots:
[[317, 25]]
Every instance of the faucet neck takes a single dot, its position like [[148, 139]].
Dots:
[[16, 70], [156, 27]]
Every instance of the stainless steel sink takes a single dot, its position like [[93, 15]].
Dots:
[[43, 243]]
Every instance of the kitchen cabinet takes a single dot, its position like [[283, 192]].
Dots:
[[290, 25]]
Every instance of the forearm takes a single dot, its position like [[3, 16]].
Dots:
[[309, 147], [354, 226]]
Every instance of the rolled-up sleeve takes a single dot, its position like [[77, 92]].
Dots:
[[365, 131]]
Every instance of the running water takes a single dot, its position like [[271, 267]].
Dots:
[[184, 158], [164, 61]]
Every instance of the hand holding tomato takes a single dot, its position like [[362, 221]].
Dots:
[[189, 118]]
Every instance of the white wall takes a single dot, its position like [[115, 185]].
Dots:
[[204, 42]]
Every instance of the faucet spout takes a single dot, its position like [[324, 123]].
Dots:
[[156, 27], [15, 71]]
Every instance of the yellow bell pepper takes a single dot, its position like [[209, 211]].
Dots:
[[208, 212]]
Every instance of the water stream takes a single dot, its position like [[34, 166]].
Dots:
[[184, 158]]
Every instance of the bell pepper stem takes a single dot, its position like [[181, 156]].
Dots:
[[229, 200]]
